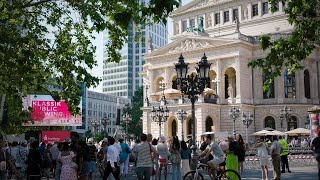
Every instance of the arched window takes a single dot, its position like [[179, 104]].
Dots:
[[268, 93], [289, 85], [307, 93], [174, 128], [209, 124], [292, 123], [269, 122]]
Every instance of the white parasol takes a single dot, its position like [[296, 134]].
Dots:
[[299, 131]]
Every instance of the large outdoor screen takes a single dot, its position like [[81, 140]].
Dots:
[[47, 112]]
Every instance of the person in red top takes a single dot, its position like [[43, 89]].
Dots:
[[315, 147]]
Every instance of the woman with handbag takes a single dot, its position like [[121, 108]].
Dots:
[[175, 158], [263, 153], [69, 167]]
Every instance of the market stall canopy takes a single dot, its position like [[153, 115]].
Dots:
[[269, 133], [299, 132], [261, 133]]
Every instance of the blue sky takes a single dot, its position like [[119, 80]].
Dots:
[[98, 42]]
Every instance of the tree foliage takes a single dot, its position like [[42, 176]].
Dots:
[[292, 50], [135, 126], [50, 40]]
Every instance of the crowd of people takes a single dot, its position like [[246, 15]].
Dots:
[[77, 159]]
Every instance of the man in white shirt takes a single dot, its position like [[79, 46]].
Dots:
[[275, 154], [112, 158]]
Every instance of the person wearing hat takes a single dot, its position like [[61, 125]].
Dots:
[[21, 158], [163, 153]]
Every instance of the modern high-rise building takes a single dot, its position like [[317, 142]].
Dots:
[[123, 78]]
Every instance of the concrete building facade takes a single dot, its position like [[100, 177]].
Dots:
[[123, 78], [229, 46]]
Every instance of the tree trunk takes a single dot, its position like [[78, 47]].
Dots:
[[3, 98]]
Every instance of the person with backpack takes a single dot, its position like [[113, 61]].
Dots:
[[5, 161], [124, 158]]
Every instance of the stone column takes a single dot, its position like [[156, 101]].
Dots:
[[240, 13], [230, 15], [221, 17], [259, 8], [249, 7]]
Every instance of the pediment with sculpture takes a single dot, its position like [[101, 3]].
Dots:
[[186, 44]]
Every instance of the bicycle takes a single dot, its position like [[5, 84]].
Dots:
[[221, 173]]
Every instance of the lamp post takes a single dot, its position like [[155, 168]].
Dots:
[[105, 121], [181, 116], [159, 115], [247, 121], [285, 115], [234, 114], [126, 117], [193, 85], [95, 124]]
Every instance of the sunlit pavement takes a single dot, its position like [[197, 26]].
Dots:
[[303, 173]]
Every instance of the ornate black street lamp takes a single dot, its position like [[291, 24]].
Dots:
[[182, 116], [159, 115], [247, 121], [193, 85], [285, 115], [234, 114], [95, 124], [105, 121], [126, 117]]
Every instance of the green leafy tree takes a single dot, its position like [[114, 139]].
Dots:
[[291, 50], [50, 40], [135, 126]]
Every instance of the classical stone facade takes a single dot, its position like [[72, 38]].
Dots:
[[229, 40]]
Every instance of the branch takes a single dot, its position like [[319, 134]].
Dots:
[[36, 3]]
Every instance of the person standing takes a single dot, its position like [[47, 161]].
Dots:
[[124, 158], [143, 152], [275, 155], [5, 157], [112, 157], [284, 155], [241, 153], [154, 143], [263, 153], [21, 159], [185, 158], [34, 161], [67, 158], [175, 158], [54, 150], [232, 158], [163, 152], [93, 158], [315, 147]]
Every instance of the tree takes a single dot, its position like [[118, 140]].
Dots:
[[135, 126], [50, 40], [291, 50]]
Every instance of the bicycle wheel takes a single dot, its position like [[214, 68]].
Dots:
[[191, 176], [229, 174]]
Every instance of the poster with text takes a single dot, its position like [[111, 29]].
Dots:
[[51, 113], [54, 136]]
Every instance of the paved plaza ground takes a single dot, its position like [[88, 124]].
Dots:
[[298, 173]]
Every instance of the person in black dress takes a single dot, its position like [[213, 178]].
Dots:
[[241, 153]]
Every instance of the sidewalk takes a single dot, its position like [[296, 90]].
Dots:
[[298, 173]]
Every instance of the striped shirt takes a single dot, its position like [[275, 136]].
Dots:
[[143, 154]]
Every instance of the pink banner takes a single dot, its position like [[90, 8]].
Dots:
[[52, 113], [54, 136]]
